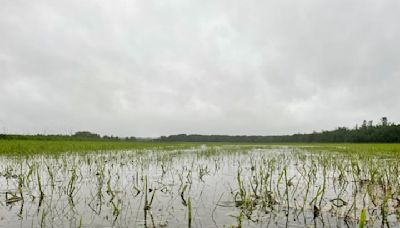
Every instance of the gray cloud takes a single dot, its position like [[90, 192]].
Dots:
[[150, 68]]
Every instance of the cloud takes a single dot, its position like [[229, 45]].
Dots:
[[150, 68]]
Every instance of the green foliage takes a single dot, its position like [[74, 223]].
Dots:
[[363, 218], [380, 133], [80, 135], [86, 135]]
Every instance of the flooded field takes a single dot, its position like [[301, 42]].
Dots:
[[201, 186]]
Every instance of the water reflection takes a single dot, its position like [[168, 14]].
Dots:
[[239, 186]]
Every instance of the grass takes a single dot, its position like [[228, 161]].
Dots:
[[355, 148], [29, 147], [255, 179]]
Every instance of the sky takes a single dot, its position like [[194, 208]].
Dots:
[[159, 67]]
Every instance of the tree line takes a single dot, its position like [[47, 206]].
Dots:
[[80, 135], [382, 133], [367, 132]]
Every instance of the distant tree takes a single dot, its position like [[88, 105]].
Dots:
[[384, 121], [86, 135], [364, 124], [367, 133], [132, 138]]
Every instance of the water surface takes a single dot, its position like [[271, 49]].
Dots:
[[227, 186]]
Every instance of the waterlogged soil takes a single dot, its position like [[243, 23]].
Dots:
[[205, 186]]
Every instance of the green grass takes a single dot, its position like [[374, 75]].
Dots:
[[272, 178], [355, 148], [30, 147]]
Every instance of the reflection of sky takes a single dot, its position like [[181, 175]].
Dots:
[[168, 173]]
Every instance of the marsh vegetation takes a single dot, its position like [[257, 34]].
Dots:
[[203, 185]]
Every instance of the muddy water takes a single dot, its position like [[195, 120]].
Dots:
[[235, 186]]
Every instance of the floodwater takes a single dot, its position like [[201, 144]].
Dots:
[[220, 186]]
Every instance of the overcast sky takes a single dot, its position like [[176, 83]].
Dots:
[[151, 68]]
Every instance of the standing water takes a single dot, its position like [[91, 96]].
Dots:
[[205, 186]]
